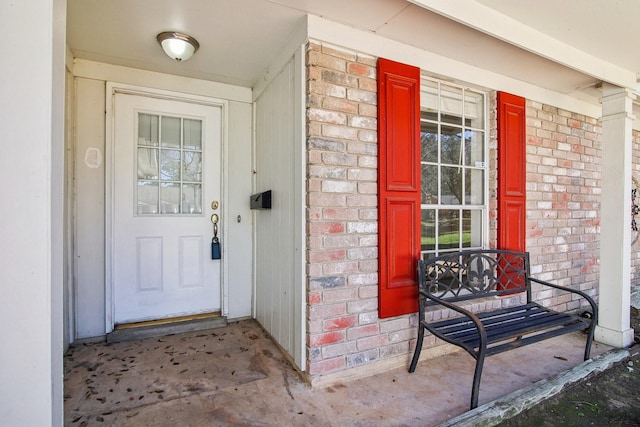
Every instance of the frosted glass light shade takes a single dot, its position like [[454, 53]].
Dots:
[[178, 46]]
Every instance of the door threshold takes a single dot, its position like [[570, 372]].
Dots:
[[168, 326]]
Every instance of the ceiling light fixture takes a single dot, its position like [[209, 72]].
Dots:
[[178, 46]]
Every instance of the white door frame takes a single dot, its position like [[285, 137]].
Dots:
[[112, 89]]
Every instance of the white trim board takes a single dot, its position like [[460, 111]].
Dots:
[[133, 77]]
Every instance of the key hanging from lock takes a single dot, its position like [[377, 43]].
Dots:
[[215, 242]]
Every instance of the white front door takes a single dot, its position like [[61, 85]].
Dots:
[[166, 174]]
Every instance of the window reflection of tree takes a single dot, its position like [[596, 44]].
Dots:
[[192, 166], [170, 165]]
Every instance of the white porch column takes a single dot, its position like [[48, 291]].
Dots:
[[615, 228], [32, 79]]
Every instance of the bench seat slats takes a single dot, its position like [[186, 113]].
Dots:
[[505, 324], [578, 326], [487, 318], [513, 318]]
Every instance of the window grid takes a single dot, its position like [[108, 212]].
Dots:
[[169, 177], [453, 220]]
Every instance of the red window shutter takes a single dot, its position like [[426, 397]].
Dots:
[[512, 192], [398, 187]]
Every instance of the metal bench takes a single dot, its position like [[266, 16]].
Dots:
[[469, 276]]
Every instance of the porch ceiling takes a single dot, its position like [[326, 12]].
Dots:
[[240, 38]]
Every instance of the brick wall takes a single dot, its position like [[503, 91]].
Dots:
[[343, 329], [563, 200]]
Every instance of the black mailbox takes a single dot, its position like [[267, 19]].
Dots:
[[261, 200]]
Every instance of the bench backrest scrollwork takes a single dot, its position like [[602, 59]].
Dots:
[[474, 274]]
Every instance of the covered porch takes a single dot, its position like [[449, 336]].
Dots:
[[237, 375], [55, 275]]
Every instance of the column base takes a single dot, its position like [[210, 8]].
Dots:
[[619, 339]]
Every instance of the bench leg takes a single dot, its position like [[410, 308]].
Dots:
[[587, 348], [475, 390], [416, 353]]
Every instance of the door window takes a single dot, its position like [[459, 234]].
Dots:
[[169, 165]]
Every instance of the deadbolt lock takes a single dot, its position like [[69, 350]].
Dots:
[[214, 205]]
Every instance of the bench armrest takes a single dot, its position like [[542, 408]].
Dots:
[[584, 295], [476, 321]]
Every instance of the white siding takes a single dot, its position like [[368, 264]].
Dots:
[[278, 159], [89, 226]]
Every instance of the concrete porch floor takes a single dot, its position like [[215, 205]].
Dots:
[[236, 375]]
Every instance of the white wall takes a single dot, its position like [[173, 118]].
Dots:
[[31, 172], [279, 160], [89, 210], [90, 187], [239, 244]]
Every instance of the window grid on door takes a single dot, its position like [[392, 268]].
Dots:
[[169, 165]]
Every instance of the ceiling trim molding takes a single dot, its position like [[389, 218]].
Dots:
[[121, 74], [491, 22], [323, 30]]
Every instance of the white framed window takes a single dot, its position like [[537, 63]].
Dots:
[[169, 165], [454, 163]]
